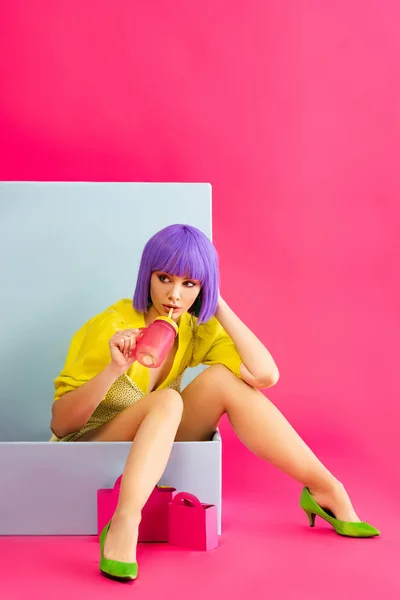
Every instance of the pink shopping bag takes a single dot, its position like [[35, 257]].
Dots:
[[192, 524], [154, 524]]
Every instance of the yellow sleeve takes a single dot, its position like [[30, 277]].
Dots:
[[89, 352], [213, 346]]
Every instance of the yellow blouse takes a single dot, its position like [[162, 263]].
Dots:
[[89, 352]]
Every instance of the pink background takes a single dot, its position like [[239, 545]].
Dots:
[[291, 110]]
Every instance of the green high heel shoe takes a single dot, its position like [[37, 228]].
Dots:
[[346, 528], [115, 569]]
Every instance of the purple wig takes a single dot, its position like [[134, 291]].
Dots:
[[183, 251]]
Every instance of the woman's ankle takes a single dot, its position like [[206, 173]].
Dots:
[[128, 516], [332, 487]]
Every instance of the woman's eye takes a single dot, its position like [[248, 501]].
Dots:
[[165, 279]]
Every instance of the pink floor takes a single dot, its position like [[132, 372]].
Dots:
[[267, 551]]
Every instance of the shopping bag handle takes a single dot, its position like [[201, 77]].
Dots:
[[160, 488], [117, 483], [183, 497]]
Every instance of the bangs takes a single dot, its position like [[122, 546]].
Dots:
[[188, 262]]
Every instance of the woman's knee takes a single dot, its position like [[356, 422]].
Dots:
[[218, 375], [218, 383], [215, 385], [169, 401]]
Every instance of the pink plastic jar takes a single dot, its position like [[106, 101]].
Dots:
[[155, 342]]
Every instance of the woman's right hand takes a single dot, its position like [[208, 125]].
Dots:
[[122, 347]]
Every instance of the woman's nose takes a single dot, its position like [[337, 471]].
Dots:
[[174, 294]]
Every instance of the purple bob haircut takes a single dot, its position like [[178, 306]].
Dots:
[[183, 251]]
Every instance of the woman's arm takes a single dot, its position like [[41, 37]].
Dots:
[[73, 410], [258, 368]]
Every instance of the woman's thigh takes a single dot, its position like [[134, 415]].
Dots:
[[123, 427], [205, 400]]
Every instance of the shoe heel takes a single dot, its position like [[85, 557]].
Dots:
[[311, 518]]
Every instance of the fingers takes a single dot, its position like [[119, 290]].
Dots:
[[133, 336], [126, 341]]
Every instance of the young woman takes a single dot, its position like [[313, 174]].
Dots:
[[103, 394]]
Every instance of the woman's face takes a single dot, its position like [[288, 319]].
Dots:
[[170, 291]]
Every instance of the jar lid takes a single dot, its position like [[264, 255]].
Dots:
[[170, 321]]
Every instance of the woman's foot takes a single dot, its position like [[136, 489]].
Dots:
[[122, 538], [337, 501]]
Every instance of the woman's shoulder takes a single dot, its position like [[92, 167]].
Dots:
[[212, 344], [208, 331], [121, 314]]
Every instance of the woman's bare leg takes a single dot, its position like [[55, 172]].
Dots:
[[263, 429], [152, 423]]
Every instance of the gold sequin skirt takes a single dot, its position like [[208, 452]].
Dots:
[[122, 394]]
